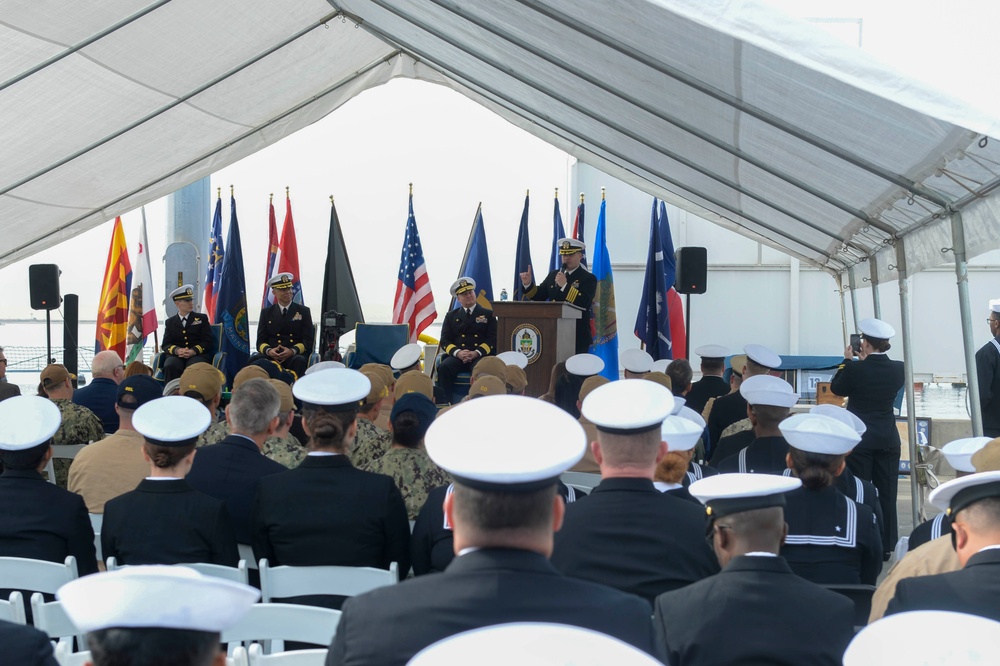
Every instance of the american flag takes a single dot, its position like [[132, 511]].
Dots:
[[414, 304]]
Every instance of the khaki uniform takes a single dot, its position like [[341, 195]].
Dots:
[[371, 443], [79, 426], [587, 463], [286, 450], [108, 468], [415, 475], [216, 432], [934, 557]]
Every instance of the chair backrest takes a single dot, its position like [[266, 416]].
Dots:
[[66, 657], [287, 581], [861, 595], [585, 480], [376, 343], [12, 610], [297, 658], [97, 521], [51, 618], [238, 657], [430, 356], [246, 553], [62, 451], [36, 575], [285, 622], [237, 574]]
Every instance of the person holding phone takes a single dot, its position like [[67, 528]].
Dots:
[[870, 385]]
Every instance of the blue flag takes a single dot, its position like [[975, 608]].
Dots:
[[476, 263], [555, 260], [605, 319], [652, 322], [231, 308], [216, 254], [522, 255], [667, 244]]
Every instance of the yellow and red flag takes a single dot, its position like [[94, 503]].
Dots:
[[112, 313]]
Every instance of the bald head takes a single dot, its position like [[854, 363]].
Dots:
[[107, 364]]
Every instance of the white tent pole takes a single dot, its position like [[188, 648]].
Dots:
[[962, 272], [843, 309], [854, 296], [876, 302], [911, 407]]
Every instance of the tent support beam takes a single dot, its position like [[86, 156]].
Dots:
[[854, 296], [876, 302], [524, 45], [579, 26], [843, 307], [962, 275], [911, 407]]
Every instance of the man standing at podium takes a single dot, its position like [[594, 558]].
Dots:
[[572, 284], [469, 332]]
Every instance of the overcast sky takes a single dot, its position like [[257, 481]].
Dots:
[[457, 154]]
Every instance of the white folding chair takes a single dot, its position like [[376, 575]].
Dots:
[[246, 553], [239, 657], [61, 451], [66, 657], [12, 610], [288, 581], [430, 354], [584, 480], [297, 658], [237, 574], [284, 622], [97, 521], [36, 575], [51, 618]]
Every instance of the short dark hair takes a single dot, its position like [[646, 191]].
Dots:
[[152, 646], [491, 511], [680, 374], [713, 364], [770, 416], [25, 458]]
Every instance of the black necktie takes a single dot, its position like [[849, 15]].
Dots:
[[184, 322], [469, 312], [284, 311]]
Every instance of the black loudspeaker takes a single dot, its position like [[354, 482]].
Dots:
[[692, 270], [43, 282]]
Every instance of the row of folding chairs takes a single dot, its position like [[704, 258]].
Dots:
[[241, 657]]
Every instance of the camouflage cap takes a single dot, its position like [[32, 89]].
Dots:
[[284, 392], [516, 379], [203, 378], [378, 390], [414, 381], [659, 378], [55, 374], [248, 373], [490, 365], [487, 385], [590, 383]]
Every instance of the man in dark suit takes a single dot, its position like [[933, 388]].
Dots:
[[711, 384], [25, 646], [101, 394], [468, 333], [285, 330], [187, 336], [988, 372], [626, 533], [973, 503], [502, 526], [231, 469], [870, 385], [706, 622], [572, 283], [40, 521]]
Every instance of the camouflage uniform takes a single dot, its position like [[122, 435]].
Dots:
[[79, 426], [286, 450], [371, 443], [740, 426], [415, 475], [216, 432]]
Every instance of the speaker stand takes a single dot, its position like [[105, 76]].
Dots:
[[687, 326], [48, 336]]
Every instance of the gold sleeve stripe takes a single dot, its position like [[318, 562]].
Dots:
[[531, 292]]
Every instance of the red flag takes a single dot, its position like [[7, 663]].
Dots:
[[273, 251], [112, 313], [288, 254], [678, 336]]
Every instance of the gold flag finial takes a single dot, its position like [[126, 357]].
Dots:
[[557, 193], [602, 194], [286, 191], [331, 199], [218, 191], [271, 198], [527, 193], [232, 191], [581, 197], [411, 189]]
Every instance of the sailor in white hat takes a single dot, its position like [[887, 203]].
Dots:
[[635, 362], [960, 640], [468, 333], [285, 331], [503, 511], [40, 521], [696, 470], [187, 335], [711, 384], [579, 368], [325, 365], [988, 372], [831, 538], [363, 519], [571, 283], [514, 358], [871, 385], [806, 624], [681, 436], [153, 614], [973, 504], [769, 402], [659, 546], [406, 358], [732, 408]]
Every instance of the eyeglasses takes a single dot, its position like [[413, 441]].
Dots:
[[990, 320], [710, 532], [3, 360]]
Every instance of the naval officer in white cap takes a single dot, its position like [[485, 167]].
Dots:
[[151, 615], [988, 372], [187, 336], [285, 331], [572, 283], [973, 504], [831, 538], [39, 521], [711, 384], [870, 385], [468, 333], [709, 622], [731, 408], [769, 402], [503, 511], [626, 533]]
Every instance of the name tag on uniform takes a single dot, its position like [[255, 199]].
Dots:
[[481, 319], [297, 317]]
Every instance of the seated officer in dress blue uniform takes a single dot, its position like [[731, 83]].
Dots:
[[187, 336], [707, 622], [468, 333], [285, 330], [155, 615]]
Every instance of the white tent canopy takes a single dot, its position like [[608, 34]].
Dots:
[[761, 123]]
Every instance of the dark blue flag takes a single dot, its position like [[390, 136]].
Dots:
[[216, 254], [558, 233], [476, 263], [667, 244], [522, 255], [652, 322], [231, 308]]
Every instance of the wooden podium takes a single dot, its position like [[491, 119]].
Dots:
[[544, 331]]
